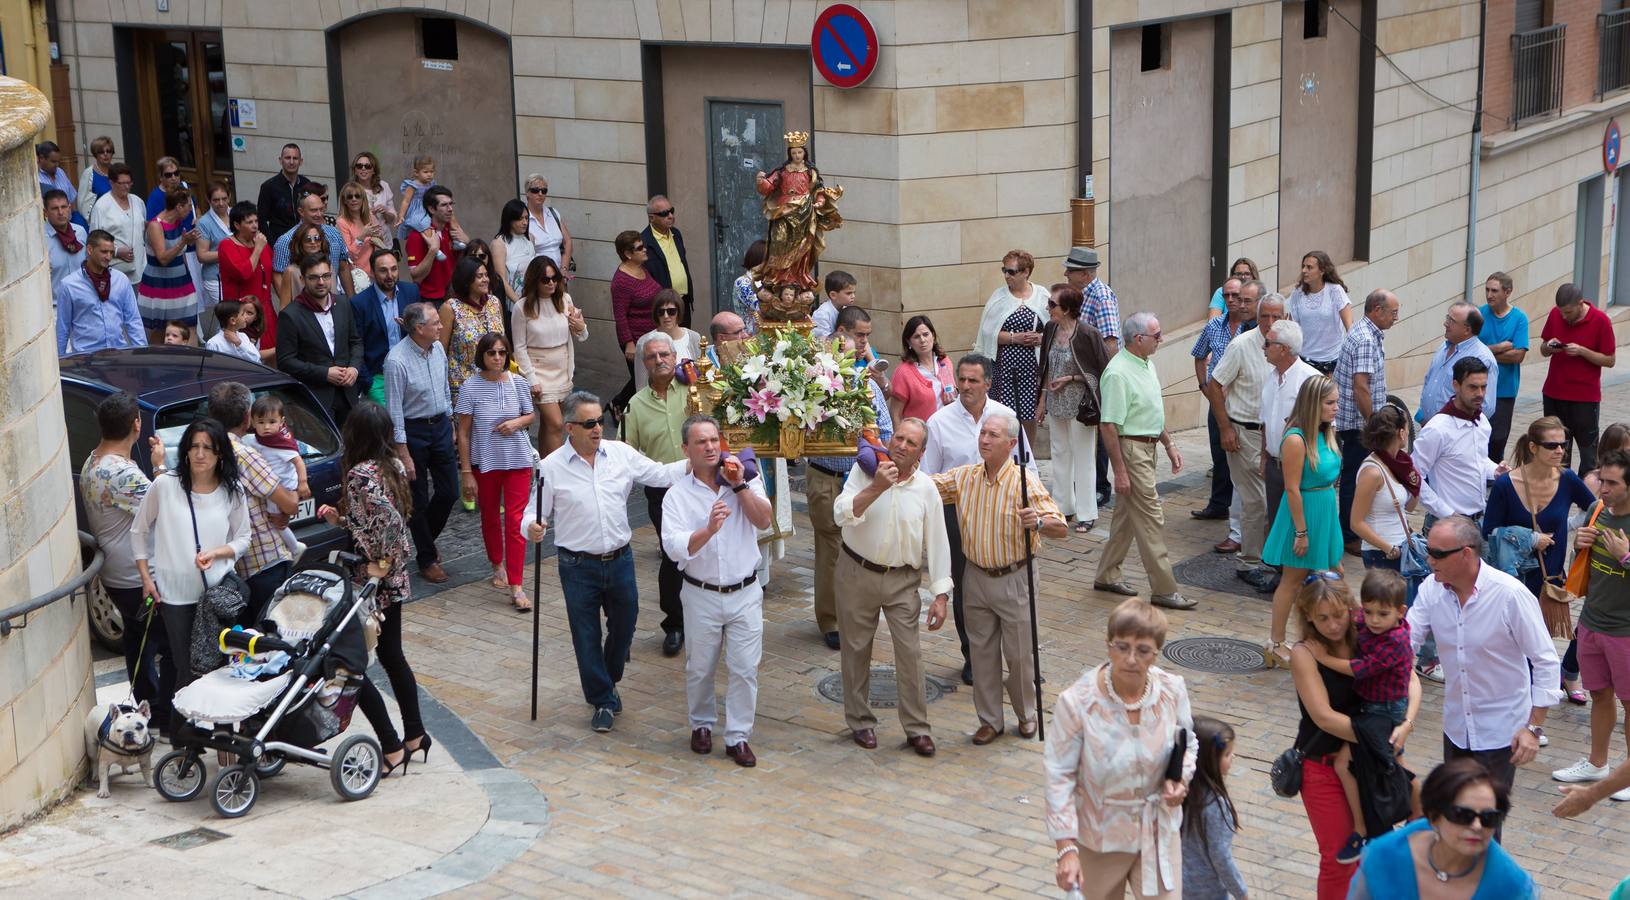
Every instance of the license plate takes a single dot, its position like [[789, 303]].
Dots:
[[307, 510]]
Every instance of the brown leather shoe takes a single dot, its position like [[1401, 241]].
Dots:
[[742, 754], [985, 735], [434, 573], [866, 738], [1027, 729], [701, 741], [922, 743], [1228, 545]]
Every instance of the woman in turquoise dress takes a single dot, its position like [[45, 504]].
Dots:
[[1306, 533]]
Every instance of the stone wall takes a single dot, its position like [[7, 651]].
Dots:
[[46, 688]]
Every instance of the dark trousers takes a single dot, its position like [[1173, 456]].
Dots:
[[372, 704], [1273, 488], [594, 587], [1501, 427], [435, 464], [403, 685], [620, 402], [959, 567], [262, 585], [177, 670], [1497, 761], [1352, 456], [145, 641], [1580, 418], [1325, 366], [668, 580], [1222, 483], [1105, 483]]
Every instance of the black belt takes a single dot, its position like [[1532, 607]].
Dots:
[[1248, 426], [720, 588], [870, 566], [1008, 569], [430, 420], [826, 471], [1142, 438], [602, 557]]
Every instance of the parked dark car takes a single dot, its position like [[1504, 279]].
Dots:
[[172, 385]]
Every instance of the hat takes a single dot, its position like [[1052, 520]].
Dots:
[[1081, 258]]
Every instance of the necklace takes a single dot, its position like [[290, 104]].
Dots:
[[1442, 875], [1148, 688]]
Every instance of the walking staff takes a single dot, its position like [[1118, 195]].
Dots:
[[1030, 583], [537, 587]]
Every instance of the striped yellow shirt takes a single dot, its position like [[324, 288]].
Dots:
[[988, 511]]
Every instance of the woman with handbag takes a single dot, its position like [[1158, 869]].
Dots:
[[1328, 700], [191, 528], [1118, 766], [495, 459], [1073, 355], [374, 509], [1538, 494]]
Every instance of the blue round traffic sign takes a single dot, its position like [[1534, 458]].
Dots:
[[844, 46], [1610, 147]]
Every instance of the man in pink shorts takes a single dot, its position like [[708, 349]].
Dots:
[[1603, 634]]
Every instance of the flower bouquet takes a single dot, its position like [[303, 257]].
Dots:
[[787, 395]]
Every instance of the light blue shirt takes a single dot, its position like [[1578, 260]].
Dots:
[[216, 232], [415, 385], [87, 323], [1440, 387], [63, 263], [387, 308], [1513, 327]]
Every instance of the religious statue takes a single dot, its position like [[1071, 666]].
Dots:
[[801, 209]]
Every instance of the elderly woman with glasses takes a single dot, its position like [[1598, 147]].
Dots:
[[665, 312], [94, 180], [494, 409], [1010, 330], [546, 324], [548, 231], [1113, 812]]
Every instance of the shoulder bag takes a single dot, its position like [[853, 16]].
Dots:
[[1412, 553], [1579, 574], [1088, 413], [1286, 773], [220, 604], [1555, 603]]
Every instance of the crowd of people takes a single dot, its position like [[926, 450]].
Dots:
[[448, 360]]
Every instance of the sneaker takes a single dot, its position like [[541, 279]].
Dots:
[[602, 719], [1620, 796], [1431, 672], [1579, 772], [1352, 850], [299, 550]]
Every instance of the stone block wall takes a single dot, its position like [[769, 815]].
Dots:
[[45, 669]]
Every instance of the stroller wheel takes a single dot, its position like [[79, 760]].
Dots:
[[180, 776], [355, 767], [269, 765], [236, 789]]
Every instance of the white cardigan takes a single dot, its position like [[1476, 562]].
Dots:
[[162, 534], [129, 229], [1002, 304]]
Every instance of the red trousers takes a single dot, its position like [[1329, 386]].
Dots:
[[1332, 821], [506, 488]]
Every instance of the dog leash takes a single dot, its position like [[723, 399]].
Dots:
[[152, 613]]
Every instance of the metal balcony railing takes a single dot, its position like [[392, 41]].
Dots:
[[1613, 52], [1536, 73]]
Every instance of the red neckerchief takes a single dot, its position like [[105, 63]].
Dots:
[[472, 304], [309, 302], [66, 237], [282, 440], [1451, 409], [103, 284], [1403, 469]]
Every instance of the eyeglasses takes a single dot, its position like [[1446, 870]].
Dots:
[[105, 151], [1552, 445], [537, 190], [497, 351], [587, 423], [668, 311], [638, 248], [1124, 648], [1435, 553], [661, 213], [362, 164], [548, 279], [1010, 272], [1317, 576], [1052, 304], [1153, 337], [1230, 293], [1465, 815], [478, 256]]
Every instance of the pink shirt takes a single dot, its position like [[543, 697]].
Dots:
[[919, 396]]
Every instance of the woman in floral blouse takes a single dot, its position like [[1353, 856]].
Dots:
[[1112, 813], [374, 509]]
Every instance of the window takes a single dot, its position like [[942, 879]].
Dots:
[[1156, 47], [318, 440], [79, 411], [438, 38], [1315, 19]]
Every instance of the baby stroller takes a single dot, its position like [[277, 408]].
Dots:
[[292, 686]]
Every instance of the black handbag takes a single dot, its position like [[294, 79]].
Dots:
[[220, 604], [1286, 773], [1174, 763]]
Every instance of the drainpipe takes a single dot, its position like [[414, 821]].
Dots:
[[1477, 156], [1082, 220]]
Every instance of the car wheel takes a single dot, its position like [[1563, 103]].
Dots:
[[106, 624]]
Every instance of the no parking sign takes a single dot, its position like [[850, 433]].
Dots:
[[844, 46]]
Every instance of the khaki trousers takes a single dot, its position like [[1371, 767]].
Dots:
[[1106, 876], [1138, 516], [894, 594], [821, 489], [998, 617], [1244, 467]]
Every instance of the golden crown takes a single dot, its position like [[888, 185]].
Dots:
[[797, 139]]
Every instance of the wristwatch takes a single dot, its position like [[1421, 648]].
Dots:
[[1534, 730], [736, 489]]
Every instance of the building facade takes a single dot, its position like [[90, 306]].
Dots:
[[1208, 130]]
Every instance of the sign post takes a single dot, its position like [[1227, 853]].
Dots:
[[844, 46], [1610, 147]]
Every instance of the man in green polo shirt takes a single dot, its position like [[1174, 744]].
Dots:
[[1133, 420], [651, 426]]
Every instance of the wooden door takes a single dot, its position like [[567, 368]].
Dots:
[[183, 104]]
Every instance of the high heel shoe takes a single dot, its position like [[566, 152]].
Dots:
[[386, 767], [425, 743], [1271, 657]]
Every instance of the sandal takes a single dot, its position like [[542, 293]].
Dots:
[[1082, 527], [500, 578], [1578, 697], [1273, 658], [518, 598]]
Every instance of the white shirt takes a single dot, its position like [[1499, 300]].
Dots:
[[902, 526], [588, 505], [547, 238], [826, 320], [1241, 372], [325, 321], [1452, 456], [1319, 314], [731, 554], [1278, 399], [163, 535], [243, 349], [953, 436], [1487, 647]]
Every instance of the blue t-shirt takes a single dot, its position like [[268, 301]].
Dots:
[[1496, 330]]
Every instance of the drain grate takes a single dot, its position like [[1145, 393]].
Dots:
[[885, 692], [1220, 656], [186, 840], [1214, 572]]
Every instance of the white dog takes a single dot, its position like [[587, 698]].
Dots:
[[119, 737]]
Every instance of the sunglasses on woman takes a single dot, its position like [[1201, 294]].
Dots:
[[1552, 445], [1465, 815], [668, 311], [549, 279], [1315, 576], [362, 164], [1010, 272]]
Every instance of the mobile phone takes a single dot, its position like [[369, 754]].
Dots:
[[1554, 344]]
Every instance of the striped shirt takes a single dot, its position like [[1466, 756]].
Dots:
[[489, 403], [988, 511]]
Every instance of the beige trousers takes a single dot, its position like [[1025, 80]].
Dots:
[[821, 489], [1106, 876], [997, 614], [894, 594], [1138, 516], [1244, 466]]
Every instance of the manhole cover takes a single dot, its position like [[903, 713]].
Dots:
[[1222, 656], [885, 693], [187, 840], [1214, 572]]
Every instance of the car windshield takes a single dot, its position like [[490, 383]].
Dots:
[[306, 422]]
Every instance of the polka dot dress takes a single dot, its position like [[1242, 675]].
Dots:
[[1018, 376]]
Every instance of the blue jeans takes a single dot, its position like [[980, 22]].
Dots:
[[1396, 710], [1375, 559], [593, 586]]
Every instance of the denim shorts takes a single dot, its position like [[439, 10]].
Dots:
[[1395, 710]]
